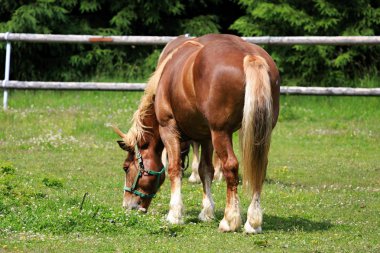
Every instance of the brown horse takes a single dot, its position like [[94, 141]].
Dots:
[[204, 89]]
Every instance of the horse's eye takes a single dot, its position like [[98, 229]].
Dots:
[[126, 169]]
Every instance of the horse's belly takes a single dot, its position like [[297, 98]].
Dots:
[[191, 123]]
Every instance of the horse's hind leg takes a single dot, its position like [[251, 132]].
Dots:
[[254, 214], [218, 174], [194, 177], [206, 172], [171, 140], [222, 142]]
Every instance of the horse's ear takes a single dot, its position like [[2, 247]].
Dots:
[[122, 145], [125, 147]]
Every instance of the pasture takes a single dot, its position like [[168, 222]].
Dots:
[[61, 180]]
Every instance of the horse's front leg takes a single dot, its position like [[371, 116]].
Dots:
[[170, 137], [222, 142]]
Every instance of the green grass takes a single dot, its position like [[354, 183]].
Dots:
[[322, 192]]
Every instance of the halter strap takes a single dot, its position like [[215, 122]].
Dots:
[[140, 173]]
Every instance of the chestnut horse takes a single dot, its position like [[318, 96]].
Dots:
[[204, 89]]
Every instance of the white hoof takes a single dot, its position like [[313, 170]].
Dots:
[[194, 179], [230, 226], [254, 217], [174, 218], [206, 215], [250, 230], [224, 226]]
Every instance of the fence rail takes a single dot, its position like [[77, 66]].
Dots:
[[296, 90], [162, 40], [74, 86]]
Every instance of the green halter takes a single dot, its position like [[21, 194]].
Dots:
[[140, 173]]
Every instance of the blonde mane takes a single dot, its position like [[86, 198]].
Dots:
[[137, 130]]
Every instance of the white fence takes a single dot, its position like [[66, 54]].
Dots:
[[155, 40], [162, 40], [140, 86]]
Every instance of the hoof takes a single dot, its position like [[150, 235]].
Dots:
[[174, 220], [194, 179], [175, 216], [232, 226], [248, 229], [206, 216]]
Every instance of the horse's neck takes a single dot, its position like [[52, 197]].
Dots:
[[152, 132]]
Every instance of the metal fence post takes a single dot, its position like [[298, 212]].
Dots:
[[6, 72]]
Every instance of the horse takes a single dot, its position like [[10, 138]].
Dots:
[[204, 89]]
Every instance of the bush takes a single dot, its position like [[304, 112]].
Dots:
[[7, 168], [304, 65], [316, 65], [52, 182], [65, 62]]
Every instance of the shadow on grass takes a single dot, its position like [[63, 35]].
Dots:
[[294, 223], [272, 222], [278, 182]]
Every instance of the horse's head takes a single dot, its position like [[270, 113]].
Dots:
[[144, 172]]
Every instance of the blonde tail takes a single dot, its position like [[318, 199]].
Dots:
[[257, 123]]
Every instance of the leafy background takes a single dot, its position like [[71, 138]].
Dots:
[[300, 65]]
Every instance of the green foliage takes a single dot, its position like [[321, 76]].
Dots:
[[52, 182], [7, 172], [123, 19], [201, 25], [38, 17], [305, 65], [90, 62], [89, 6], [311, 65], [7, 168]]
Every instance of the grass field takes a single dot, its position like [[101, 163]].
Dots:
[[322, 192]]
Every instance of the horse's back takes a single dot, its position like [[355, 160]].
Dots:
[[171, 46], [208, 38]]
